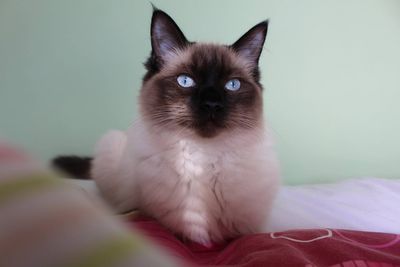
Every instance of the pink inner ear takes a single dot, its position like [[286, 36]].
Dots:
[[253, 48], [250, 45], [162, 39], [166, 35]]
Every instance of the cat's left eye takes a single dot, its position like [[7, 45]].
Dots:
[[185, 81], [233, 85]]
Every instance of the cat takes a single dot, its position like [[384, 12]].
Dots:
[[200, 158]]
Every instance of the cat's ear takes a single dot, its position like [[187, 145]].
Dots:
[[250, 45], [166, 37]]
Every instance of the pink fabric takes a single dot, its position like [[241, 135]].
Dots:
[[311, 248], [9, 153]]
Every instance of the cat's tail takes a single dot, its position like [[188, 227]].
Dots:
[[74, 166]]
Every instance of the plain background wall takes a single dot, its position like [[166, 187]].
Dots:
[[71, 69]]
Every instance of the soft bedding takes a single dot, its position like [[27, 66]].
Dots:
[[354, 223], [364, 204], [308, 248]]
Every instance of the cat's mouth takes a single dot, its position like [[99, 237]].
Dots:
[[208, 131], [213, 117], [210, 126]]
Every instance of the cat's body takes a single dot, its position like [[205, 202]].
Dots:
[[199, 159], [205, 189]]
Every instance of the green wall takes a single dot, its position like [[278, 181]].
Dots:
[[71, 69]]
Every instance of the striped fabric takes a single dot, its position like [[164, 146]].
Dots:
[[46, 223]]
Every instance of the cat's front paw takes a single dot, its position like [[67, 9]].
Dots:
[[200, 236]]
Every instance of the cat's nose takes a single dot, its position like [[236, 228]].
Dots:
[[212, 106]]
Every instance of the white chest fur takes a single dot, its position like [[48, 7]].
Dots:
[[204, 191], [183, 194], [191, 162]]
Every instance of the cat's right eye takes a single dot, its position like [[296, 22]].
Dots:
[[233, 85], [185, 81]]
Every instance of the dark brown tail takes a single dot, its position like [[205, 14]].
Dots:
[[74, 166]]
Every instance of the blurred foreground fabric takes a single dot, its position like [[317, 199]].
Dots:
[[45, 222]]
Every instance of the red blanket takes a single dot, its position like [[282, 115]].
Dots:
[[320, 247]]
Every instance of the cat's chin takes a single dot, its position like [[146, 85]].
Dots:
[[208, 135], [208, 128], [208, 132]]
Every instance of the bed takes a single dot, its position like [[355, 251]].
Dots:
[[349, 223]]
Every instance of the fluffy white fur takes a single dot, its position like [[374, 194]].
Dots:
[[207, 189]]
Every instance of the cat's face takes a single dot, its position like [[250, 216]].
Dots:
[[204, 88]]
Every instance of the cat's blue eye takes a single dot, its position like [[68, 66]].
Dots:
[[233, 85], [185, 81]]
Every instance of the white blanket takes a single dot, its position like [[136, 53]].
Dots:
[[367, 204]]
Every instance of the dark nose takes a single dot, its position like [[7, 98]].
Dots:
[[212, 106]]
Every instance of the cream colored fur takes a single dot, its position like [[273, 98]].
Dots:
[[207, 189]]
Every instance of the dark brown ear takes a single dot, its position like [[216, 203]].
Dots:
[[165, 35], [250, 45]]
